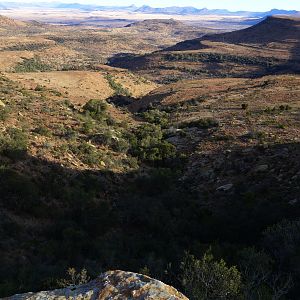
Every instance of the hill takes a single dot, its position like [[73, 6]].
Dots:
[[272, 46], [168, 26], [83, 46], [272, 29], [8, 22]]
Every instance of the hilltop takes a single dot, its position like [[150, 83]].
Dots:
[[169, 26], [156, 24]]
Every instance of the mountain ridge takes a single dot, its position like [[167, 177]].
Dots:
[[261, 32], [176, 10]]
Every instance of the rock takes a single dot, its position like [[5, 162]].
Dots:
[[225, 187], [261, 168], [2, 104], [113, 285], [293, 202]]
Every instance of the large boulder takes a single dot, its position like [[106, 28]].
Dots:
[[113, 285]]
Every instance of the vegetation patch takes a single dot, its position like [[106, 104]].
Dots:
[[32, 65], [201, 123], [117, 87]]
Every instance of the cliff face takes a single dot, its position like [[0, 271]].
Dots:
[[113, 285]]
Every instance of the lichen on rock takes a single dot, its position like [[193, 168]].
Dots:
[[112, 285]]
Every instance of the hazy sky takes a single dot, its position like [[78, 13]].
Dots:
[[253, 5]]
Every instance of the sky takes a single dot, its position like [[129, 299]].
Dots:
[[233, 5]]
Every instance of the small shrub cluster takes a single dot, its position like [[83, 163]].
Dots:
[[220, 58], [42, 130], [32, 65], [277, 109], [201, 123]]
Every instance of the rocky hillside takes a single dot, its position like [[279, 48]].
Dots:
[[8, 22], [272, 29], [269, 47], [114, 285]]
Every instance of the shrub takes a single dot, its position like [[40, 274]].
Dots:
[[4, 113], [156, 116], [209, 279], [74, 278], [117, 87], [201, 123], [32, 65], [87, 153], [14, 143], [42, 130], [148, 144], [97, 109]]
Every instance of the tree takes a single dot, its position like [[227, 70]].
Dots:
[[209, 279]]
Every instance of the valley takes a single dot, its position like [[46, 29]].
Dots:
[[154, 145]]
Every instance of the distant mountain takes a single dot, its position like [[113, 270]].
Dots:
[[146, 9], [90, 7], [274, 12], [188, 10], [168, 10]]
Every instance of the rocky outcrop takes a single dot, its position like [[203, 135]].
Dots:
[[113, 285]]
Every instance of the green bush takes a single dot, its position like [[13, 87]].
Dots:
[[201, 123], [14, 143], [117, 87], [4, 113], [87, 153], [42, 130], [207, 278], [97, 109], [32, 65], [148, 144], [156, 116]]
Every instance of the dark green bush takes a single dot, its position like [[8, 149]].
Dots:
[[42, 130], [32, 65], [97, 109], [4, 113], [148, 144], [14, 143], [156, 116], [117, 87], [201, 123]]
